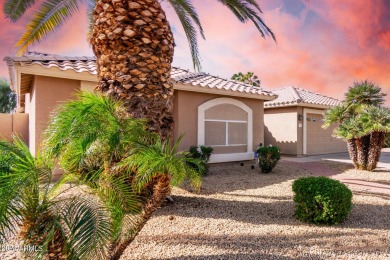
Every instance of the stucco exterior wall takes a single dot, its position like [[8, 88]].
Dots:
[[186, 116], [46, 94], [281, 129], [14, 124]]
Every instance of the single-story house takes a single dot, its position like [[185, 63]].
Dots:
[[293, 121], [212, 111]]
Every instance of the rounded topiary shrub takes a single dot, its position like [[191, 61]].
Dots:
[[268, 158], [321, 200]]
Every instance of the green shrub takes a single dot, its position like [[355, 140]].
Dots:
[[202, 153], [268, 157], [321, 200]]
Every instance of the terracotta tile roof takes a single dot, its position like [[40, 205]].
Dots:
[[205, 80], [191, 80], [289, 96]]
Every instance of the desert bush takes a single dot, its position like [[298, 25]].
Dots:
[[202, 154], [268, 158], [321, 200]]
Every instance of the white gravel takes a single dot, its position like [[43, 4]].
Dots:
[[243, 214]]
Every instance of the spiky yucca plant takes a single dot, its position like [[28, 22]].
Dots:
[[93, 137]]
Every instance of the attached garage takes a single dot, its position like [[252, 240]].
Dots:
[[294, 121], [319, 140]]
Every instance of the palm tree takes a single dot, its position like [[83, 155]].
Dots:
[[57, 225], [93, 137], [248, 78], [7, 97], [362, 123], [133, 43], [376, 121]]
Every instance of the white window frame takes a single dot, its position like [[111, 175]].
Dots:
[[248, 155]]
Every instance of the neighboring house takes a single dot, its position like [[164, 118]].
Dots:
[[224, 114], [293, 122]]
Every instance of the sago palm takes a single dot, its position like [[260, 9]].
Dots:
[[59, 226], [133, 43], [94, 138]]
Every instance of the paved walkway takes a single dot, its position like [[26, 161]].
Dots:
[[318, 169], [384, 161]]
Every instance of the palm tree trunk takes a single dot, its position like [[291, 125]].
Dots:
[[133, 44], [161, 189], [362, 152], [373, 151], [376, 144], [351, 144]]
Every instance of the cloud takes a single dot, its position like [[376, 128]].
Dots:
[[384, 40], [323, 46]]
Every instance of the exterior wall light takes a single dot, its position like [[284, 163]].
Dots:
[[300, 117]]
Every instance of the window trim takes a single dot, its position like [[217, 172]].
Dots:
[[201, 128]]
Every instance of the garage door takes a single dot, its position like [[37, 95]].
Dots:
[[319, 140]]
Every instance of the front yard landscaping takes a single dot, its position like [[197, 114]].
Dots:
[[243, 214]]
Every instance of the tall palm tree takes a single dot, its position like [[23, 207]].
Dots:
[[93, 137], [133, 43]]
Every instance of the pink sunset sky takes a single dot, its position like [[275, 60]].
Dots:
[[322, 45]]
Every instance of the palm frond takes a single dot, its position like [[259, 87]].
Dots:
[[246, 10], [90, 9], [364, 93], [121, 201], [188, 17], [89, 227], [376, 119], [14, 9], [159, 158], [50, 16], [334, 115], [17, 173], [75, 132]]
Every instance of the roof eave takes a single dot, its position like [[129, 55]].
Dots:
[[199, 89], [12, 72], [301, 104]]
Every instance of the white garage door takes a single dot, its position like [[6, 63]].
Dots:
[[319, 140]]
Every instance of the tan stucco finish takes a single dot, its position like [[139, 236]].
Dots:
[[281, 129], [46, 94], [284, 129], [14, 124], [186, 117]]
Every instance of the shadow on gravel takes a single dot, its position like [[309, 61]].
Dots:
[[308, 246], [364, 216]]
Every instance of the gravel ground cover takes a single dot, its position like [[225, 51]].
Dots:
[[243, 214]]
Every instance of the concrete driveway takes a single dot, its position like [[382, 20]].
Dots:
[[384, 161]]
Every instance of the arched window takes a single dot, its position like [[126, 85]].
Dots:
[[226, 125]]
